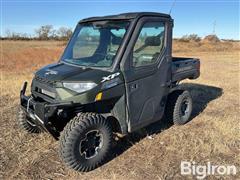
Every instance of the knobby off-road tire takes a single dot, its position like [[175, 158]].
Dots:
[[85, 142], [179, 107], [26, 124]]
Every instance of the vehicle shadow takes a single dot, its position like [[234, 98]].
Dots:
[[201, 94]]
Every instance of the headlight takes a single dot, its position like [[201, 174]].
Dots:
[[79, 87]]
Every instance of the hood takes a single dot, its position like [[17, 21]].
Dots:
[[65, 72]]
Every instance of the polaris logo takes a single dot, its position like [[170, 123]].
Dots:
[[50, 72]]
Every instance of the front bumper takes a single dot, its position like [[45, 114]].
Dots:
[[40, 112]]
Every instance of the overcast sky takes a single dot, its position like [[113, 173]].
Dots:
[[189, 16]]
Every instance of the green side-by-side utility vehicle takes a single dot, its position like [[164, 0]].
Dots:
[[116, 75]]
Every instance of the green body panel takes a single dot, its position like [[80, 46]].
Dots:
[[113, 91], [69, 73]]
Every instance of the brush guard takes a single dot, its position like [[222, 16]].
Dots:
[[40, 112]]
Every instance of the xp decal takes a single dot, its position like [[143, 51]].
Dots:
[[109, 77]]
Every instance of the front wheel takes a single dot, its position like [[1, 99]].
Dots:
[[85, 142]]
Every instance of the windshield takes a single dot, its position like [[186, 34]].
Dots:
[[95, 44]]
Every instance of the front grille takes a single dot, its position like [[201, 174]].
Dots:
[[44, 80], [43, 88], [46, 95]]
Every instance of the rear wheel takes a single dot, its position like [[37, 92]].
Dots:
[[26, 124], [85, 142], [179, 107]]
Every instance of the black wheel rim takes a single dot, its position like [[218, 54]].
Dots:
[[91, 145], [184, 108]]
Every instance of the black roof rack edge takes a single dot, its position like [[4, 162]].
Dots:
[[124, 16]]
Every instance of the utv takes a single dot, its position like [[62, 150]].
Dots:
[[115, 76]]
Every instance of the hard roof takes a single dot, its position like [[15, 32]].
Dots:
[[132, 15]]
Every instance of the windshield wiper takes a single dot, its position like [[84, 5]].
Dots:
[[73, 64]]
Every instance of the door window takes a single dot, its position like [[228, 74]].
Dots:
[[149, 44]]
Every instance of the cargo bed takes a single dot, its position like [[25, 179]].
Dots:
[[183, 68]]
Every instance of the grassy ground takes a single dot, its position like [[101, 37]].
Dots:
[[212, 134]]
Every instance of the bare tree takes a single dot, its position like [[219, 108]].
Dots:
[[53, 34], [8, 33], [190, 37], [44, 32], [64, 33], [12, 35]]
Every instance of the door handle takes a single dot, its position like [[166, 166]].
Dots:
[[133, 87]]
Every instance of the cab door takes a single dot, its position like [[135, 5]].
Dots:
[[146, 70]]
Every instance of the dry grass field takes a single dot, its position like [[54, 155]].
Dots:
[[213, 134]]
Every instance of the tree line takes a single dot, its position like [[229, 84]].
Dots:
[[45, 32]]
